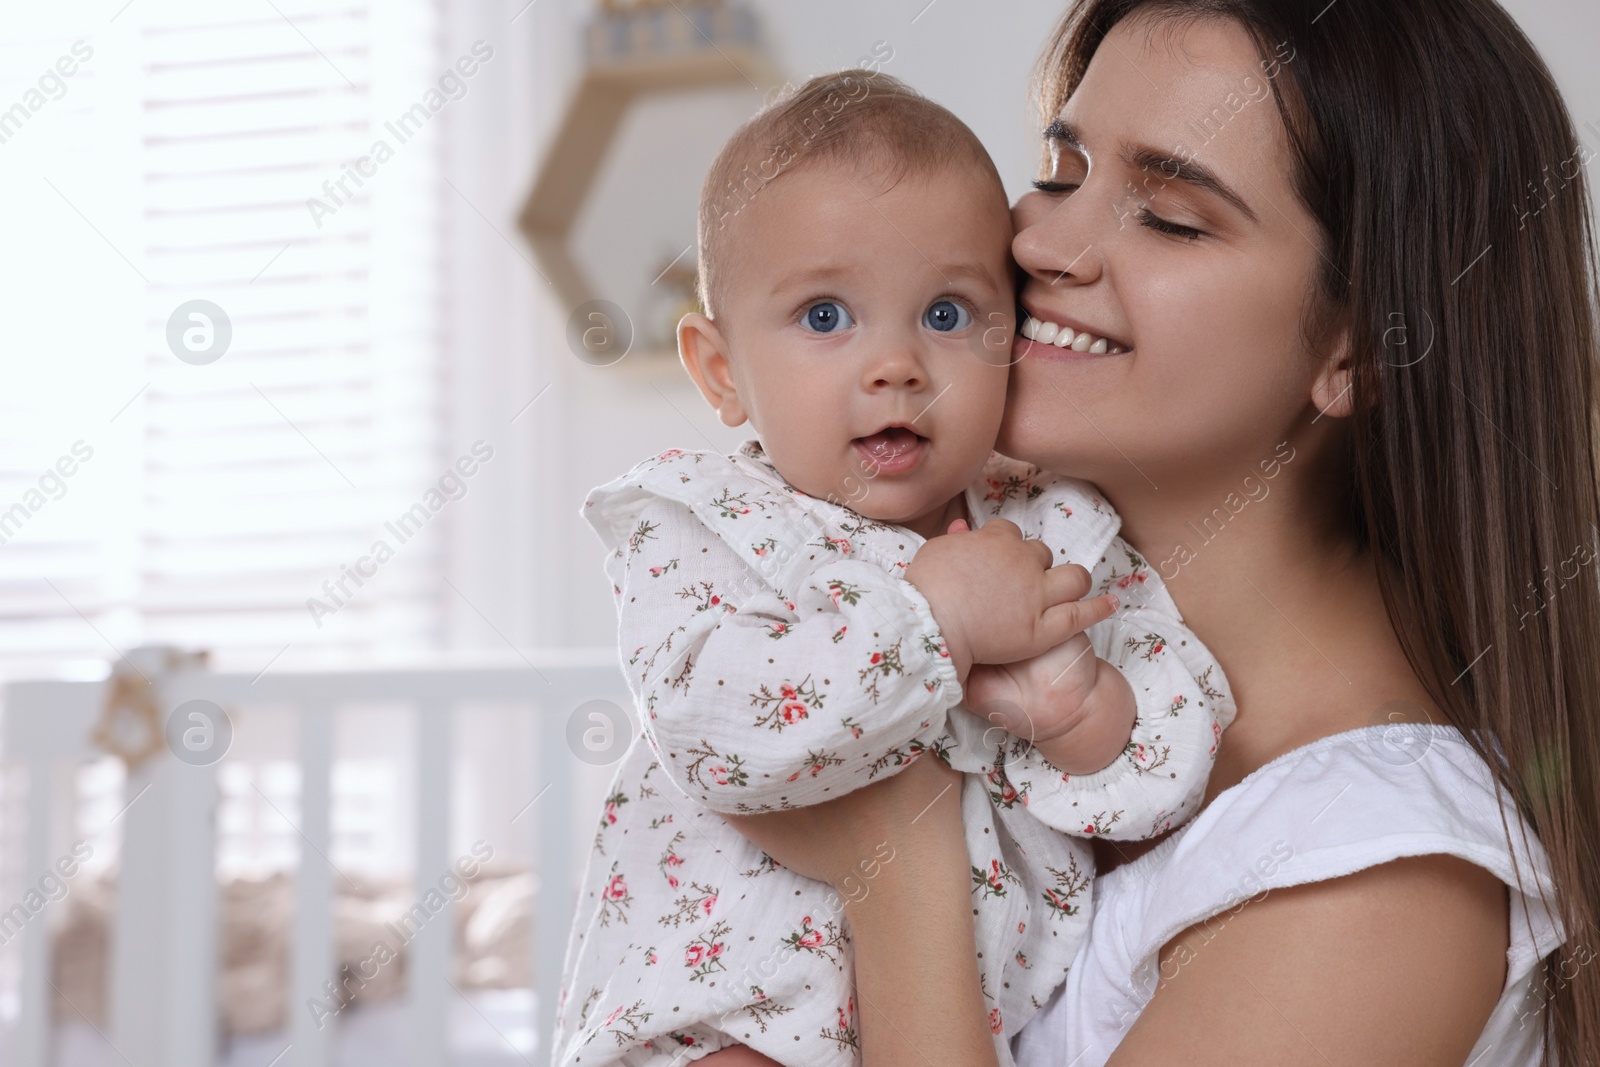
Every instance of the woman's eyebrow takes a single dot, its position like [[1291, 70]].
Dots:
[[1145, 158]]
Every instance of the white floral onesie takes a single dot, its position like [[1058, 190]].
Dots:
[[777, 658]]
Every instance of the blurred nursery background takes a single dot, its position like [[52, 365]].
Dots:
[[308, 691]]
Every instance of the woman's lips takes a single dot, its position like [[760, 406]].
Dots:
[[894, 450]]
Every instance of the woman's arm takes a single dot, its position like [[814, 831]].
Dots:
[[1395, 966], [895, 852]]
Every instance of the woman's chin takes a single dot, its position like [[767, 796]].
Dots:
[[1030, 438]]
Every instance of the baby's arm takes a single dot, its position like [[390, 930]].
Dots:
[[1115, 762], [1180, 704], [756, 699], [1076, 709]]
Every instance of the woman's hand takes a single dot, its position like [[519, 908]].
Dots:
[[896, 852], [845, 842]]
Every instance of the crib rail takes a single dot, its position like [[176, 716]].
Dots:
[[163, 953]]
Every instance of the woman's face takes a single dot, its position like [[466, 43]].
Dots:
[[1166, 225]]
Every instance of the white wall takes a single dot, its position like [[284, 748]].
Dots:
[[973, 57]]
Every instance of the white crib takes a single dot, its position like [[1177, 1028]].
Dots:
[[163, 948]]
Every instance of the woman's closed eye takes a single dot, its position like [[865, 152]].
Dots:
[[1160, 225], [1146, 217], [826, 316]]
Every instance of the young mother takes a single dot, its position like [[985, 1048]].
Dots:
[[1346, 247]]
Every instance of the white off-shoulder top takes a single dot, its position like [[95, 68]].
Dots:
[[1339, 805]]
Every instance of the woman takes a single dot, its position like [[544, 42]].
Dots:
[[1349, 249]]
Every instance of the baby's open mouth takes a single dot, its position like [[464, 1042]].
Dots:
[[892, 450]]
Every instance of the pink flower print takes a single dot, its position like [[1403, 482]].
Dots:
[[761, 550], [994, 1021], [672, 880], [1021, 927], [808, 938], [616, 889], [813, 770], [1089, 829], [719, 774], [650, 959], [715, 600], [714, 951], [793, 711], [655, 572], [613, 1016], [994, 874], [611, 812], [847, 1013], [877, 658], [708, 903], [787, 692], [789, 604], [695, 956], [670, 453], [1158, 647]]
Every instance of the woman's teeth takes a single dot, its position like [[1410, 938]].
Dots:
[[1050, 333]]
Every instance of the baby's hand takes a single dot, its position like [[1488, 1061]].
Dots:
[[1076, 708], [997, 599]]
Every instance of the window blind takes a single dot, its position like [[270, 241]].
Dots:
[[203, 153]]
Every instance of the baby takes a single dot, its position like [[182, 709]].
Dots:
[[793, 625]]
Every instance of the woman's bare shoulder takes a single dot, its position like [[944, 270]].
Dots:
[[1399, 963]]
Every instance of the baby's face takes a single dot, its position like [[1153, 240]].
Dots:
[[868, 334]]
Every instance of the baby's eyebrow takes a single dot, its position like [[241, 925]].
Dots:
[[975, 271], [804, 277], [1145, 158], [825, 274]]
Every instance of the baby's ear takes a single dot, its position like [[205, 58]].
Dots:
[[704, 352]]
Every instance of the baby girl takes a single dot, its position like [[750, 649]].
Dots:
[[810, 613]]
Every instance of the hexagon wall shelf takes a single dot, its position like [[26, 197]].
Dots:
[[633, 50]]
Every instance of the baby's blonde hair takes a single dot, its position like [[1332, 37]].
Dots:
[[858, 117]]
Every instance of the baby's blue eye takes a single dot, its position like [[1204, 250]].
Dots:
[[947, 315], [826, 317]]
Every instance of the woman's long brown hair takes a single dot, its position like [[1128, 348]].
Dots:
[[1433, 148]]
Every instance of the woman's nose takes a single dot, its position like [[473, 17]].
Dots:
[[1060, 238]]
